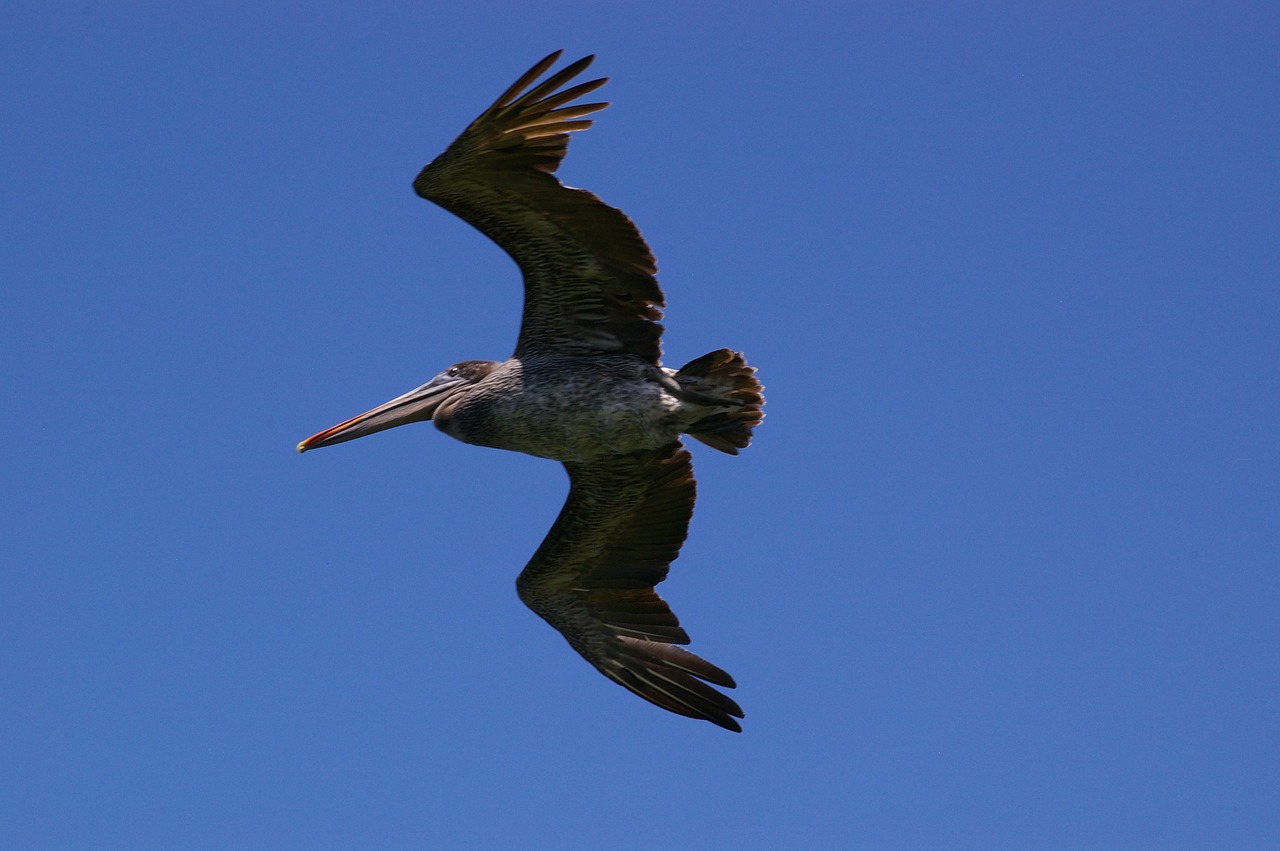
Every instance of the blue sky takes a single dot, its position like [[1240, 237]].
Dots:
[[999, 571]]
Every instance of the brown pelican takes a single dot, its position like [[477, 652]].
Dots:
[[584, 387]]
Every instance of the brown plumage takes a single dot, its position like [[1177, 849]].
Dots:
[[593, 579], [588, 275], [585, 387]]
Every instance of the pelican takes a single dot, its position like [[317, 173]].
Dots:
[[585, 387]]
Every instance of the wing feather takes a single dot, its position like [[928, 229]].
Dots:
[[588, 274], [593, 579]]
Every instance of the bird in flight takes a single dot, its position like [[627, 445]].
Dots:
[[585, 387]]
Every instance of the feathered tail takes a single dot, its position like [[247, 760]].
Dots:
[[723, 377]]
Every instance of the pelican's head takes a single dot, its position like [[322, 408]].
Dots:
[[424, 403]]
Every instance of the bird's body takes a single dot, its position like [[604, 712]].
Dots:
[[571, 409], [584, 387]]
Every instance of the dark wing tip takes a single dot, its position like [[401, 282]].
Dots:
[[527, 127], [516, 91], [672, 677], [538, 69]]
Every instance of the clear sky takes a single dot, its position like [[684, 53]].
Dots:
[[1000, 570]]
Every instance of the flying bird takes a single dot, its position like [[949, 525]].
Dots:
[[585, 387]]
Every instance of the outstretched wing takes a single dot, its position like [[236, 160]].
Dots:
[[589, 283], [593, 579]]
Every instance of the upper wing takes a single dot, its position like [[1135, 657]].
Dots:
[[593, 577], [589, 281]]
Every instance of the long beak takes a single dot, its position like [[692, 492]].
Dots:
[[414, 406]]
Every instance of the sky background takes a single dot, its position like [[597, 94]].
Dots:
[[1000, 570]]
